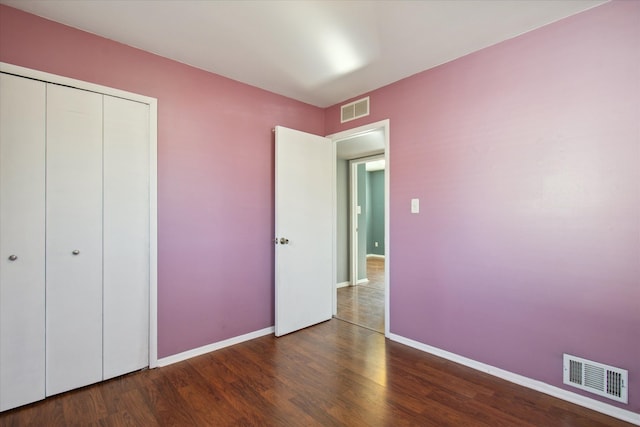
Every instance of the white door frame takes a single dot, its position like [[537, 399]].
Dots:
[[153, 179], [335, 138], [354, 247]]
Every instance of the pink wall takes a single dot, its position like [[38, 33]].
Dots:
[[526, 158], [215, 169]]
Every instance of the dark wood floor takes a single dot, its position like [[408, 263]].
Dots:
[[364, 304], [332, 374]]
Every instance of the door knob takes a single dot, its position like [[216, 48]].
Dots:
[[13, 257], [76, 252], [284, 241]]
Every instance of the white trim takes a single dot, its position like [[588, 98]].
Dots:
[[365, 280], [67, 81], [587, 402], [153, 179], [334, 228], [342, 284], [165, 361], [334, 236], [153, 234], [385, 125], [354, 247], [353, 215], [375, 256]]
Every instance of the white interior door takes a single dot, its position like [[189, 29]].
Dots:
[[126, 236], [22, 240], [304, 229], [74, 239]]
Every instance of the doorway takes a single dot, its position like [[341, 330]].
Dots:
[[362, 301], [361, 239]]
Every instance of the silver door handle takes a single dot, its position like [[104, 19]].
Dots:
[[76, 252], [13, 257], [284, 241]]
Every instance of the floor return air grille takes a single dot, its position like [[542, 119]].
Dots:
[[603, 380]]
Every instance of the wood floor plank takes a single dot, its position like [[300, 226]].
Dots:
[[169, 406], [332, 374], [364, 304], [83, 408]]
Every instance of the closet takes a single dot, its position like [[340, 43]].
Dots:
[[74, 238]]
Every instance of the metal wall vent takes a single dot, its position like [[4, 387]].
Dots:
[[354, 110], [595, 377]]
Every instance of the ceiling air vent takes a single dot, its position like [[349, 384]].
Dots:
[[595, 377], [354, 110]]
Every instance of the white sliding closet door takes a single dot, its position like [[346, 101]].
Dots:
[[126, 236], [22, 220], [74, 239]]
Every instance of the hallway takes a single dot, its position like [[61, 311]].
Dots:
[[363, 305]]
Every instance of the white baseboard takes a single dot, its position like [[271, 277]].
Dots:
[[212, 347], [578, 399], [375, 256], [362, 281], [342, 284]]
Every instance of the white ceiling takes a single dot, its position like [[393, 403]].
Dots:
[[318, 52], [361, 145]]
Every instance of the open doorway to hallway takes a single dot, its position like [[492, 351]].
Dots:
[[363, 304], [362, 184]]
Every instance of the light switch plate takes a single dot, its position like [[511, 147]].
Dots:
[[415, 205]]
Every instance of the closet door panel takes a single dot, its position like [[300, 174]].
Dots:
[[22, 241], [74, 239], [126, 236]]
